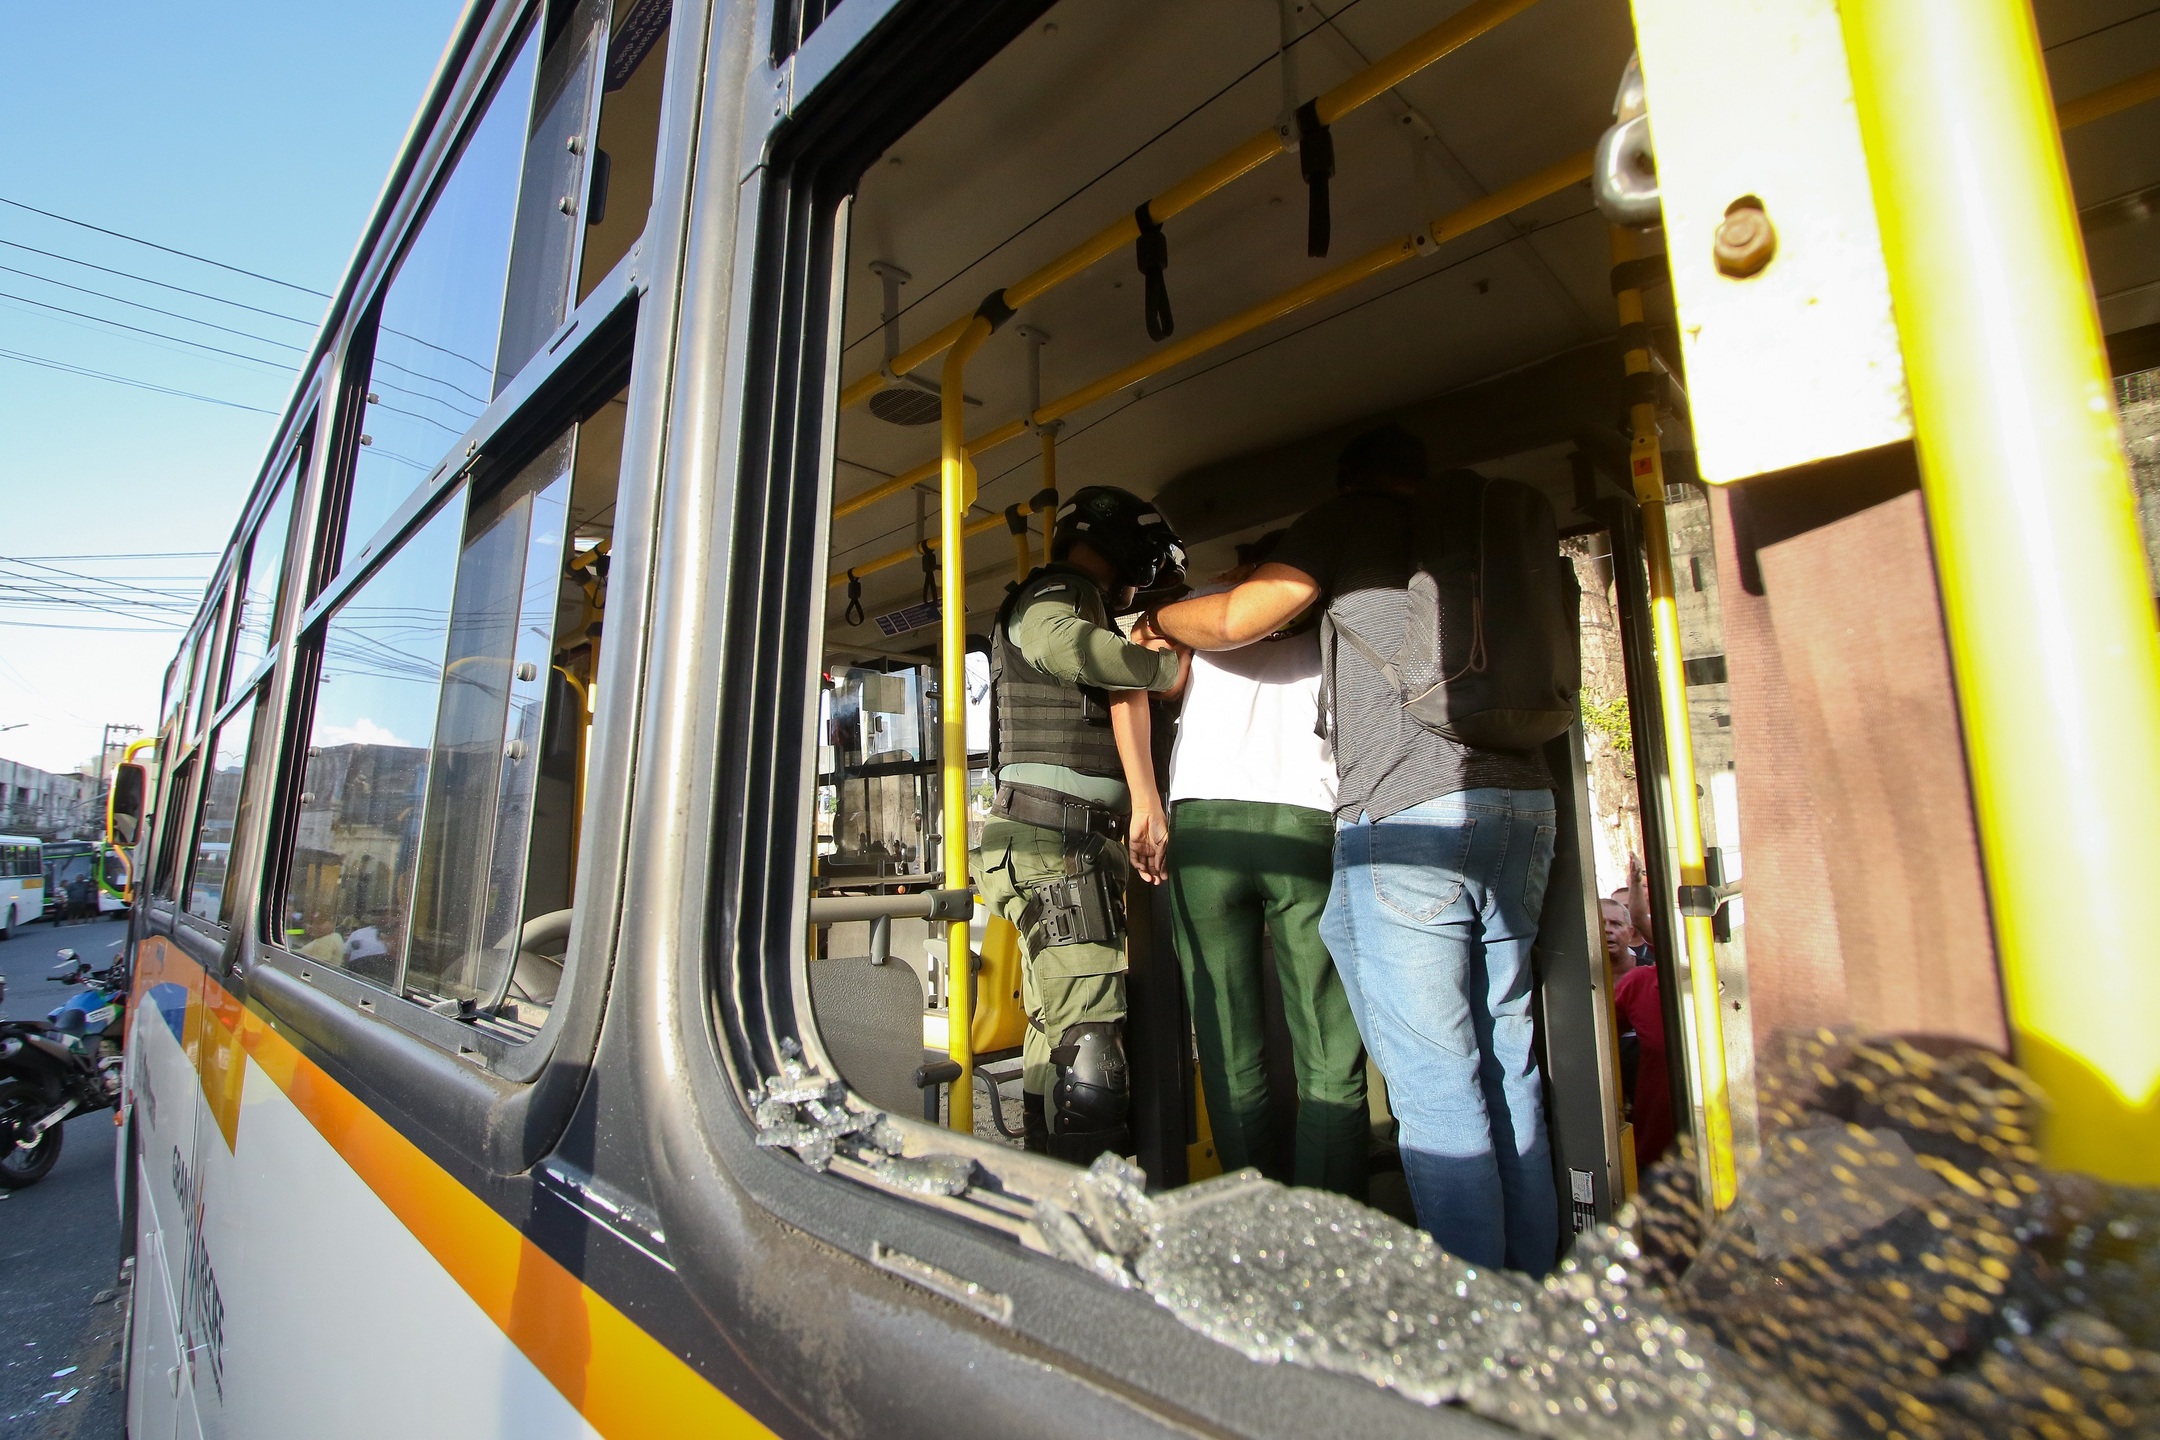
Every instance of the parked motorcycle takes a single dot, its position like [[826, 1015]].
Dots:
[[65, 1065]]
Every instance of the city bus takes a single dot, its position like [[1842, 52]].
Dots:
[[105, 866], [22, 881], [560, 1003]]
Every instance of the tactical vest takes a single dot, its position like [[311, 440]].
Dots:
[[1038, 718]]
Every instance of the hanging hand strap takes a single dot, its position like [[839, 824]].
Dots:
[[854, 612], [1152, 251], [1316, 162]]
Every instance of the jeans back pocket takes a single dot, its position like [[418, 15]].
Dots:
[[1540, 871], [1417, 866]]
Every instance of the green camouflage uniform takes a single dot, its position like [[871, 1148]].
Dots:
[[1060, 627]]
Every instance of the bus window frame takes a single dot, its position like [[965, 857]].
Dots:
[[169, 870], [292, 462], [557, 389], [479, 88], [484, 46], [241, 860]]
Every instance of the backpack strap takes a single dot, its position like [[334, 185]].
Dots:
[[1385, 667], [1324, 721]]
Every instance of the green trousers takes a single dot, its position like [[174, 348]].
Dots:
[[1239, 868], [1061, 985]]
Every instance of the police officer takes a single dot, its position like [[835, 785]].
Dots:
[[1053, 860]]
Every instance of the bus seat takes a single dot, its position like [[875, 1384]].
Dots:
[[536, 971], [1000, 1020], [870, 1017]]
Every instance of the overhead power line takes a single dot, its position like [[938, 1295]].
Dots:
[[153, 309], [106, 586], [380, 361], [123, 555], [161, 284], [169, 250], [482, 366], [243, 334], [139, 330], [90, 374]]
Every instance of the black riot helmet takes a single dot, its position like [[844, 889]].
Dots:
[[1126, 531]]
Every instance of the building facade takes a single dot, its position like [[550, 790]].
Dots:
[[48, 805]]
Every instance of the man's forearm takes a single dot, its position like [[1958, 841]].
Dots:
[[1199, 621], [1133, 726], [1252, 610]]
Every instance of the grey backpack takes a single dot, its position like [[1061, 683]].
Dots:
[[1491, 653]]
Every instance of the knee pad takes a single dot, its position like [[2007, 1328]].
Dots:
[[1093, 1087], [1035, 1128]]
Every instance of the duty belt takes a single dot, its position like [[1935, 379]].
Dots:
[[1033, 805]]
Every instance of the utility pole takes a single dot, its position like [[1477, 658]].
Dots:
[[106, 743]]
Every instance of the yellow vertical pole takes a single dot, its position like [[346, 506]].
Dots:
[[956, 492], [1646, 464], [2031, 516]]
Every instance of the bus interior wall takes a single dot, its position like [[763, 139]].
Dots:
[[1495, 351]]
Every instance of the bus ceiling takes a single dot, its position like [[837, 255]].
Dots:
[[1477, 126], [1389, 85]]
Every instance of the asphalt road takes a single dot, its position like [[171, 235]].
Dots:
[[61, 1313]]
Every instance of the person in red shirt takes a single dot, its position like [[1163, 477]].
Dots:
[[1640, 1008]]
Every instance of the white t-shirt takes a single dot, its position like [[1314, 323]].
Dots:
[[1247, 728]]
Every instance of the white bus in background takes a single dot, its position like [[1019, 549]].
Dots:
[[22, 881]]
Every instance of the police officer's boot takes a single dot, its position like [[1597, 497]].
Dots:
[[1091, 1098], [1034, 1129]]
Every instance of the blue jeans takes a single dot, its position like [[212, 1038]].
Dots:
[[1430, 919]]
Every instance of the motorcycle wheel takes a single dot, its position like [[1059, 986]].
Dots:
[[19, 1167]]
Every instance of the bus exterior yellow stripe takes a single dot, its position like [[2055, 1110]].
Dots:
[[2043, 577], [622, 1380]]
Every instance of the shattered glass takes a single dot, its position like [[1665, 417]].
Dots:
[[808, 1112], [1311, 1278], [924, 1174], [1898, 1264]]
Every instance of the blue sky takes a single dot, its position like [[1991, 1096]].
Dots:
[[253, 133]]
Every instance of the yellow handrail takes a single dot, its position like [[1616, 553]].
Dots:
[[955, 495], [1549, 181], [1646, 464], [1374, 80], [2037, 552], [908, 552], [2108, 100]]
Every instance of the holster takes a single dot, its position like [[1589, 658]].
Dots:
[[1081, 909]]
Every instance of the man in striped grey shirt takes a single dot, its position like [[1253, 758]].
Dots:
[[1441, 857]]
